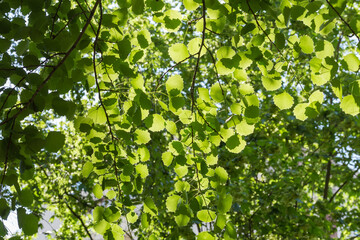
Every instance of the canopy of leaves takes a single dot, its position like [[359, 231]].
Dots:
[[193, 119]]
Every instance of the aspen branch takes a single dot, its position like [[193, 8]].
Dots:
[[67, 54]]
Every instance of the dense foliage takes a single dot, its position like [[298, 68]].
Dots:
[[206, 119]]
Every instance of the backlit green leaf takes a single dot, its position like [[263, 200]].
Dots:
[[352, 62], [306, 44], [174, 85], [206, 215], [205, 236], [142, 136], [283, 100], [216, 92], [87, 169], [349, 105], [172, 203], [178, 52]]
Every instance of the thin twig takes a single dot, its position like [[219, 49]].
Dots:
[[343, 20], [56, 67], [259, 26], [6, 162], [113, 137], [342, 185], [168, 70], [80, 219], [192, 90], [327, 180]]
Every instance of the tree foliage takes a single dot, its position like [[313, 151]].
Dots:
[[206, 119]]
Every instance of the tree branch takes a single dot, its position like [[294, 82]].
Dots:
[[192, 90], [6, 162], [80, 219], [342, 185], [327, 180], [343, 20], [67, 54], [259, 26]]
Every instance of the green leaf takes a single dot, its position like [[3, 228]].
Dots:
[[172, 203], [98, 213], [190, 5], [352, 62], [87, 169], [299, 111], [235, 144], [224, 203], [27, 222], [101, 227], [271, 84], [172, 20], [247, 28], [155, 123], [316, 96], [216, 92], [194, 46], [142, 136], [181, 171], [306, 44], [280, 40], [3, 230], [349, 105], [144, 38], [98, 192], [150, 206], [167, 158], [252, 112], [137, 6], [4, 209], [97, 114], [283, 100], [26, 197], [206, 215], [132, 217], [54, 141], [178, 52], [181, 186], [221, 174], [182, 220], [142, 169], [205, 236], [174, 85]]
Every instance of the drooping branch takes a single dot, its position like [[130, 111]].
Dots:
[[342, 185], [169, 69], [259, 26], [327, 180], [343, 20], [80, 219], [192, 90], [6, 162], [61, 62], [113, 137]]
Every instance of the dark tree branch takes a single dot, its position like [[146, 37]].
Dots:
[[54, 18], [67, 54], [113, 137], [192, 90], [327, 180], [259, 26], [343, 20], [80, 219], [342, 185], [6, 162], [168, 70]]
